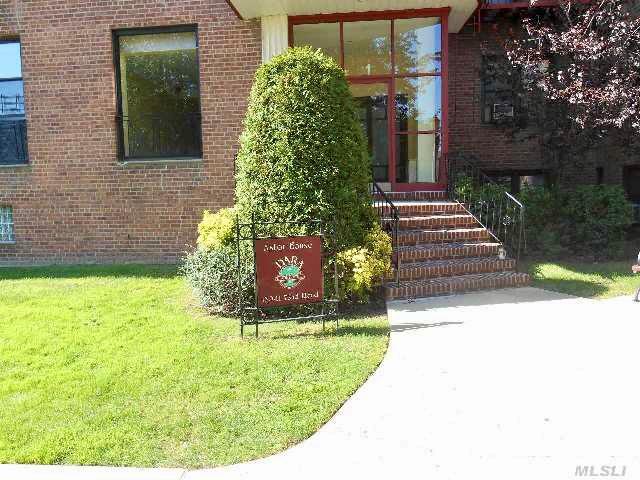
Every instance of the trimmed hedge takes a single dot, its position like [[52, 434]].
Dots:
[[302, 156], [588, 221], [303, 153]]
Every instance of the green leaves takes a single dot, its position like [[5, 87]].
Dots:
[[303, 153]]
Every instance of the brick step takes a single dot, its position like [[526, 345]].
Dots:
[[418, 222], [453, 267], [416, 237], [442, 251], [457, 284], [417, 208], [423, 195]]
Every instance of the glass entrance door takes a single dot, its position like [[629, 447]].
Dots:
[[396, 65], [372, 100]]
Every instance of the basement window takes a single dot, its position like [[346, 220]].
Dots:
[[158, 93], [6, 225]]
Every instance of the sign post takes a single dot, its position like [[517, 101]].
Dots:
[[288, 275], [289, 271]]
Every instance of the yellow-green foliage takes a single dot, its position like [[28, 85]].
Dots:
[[362, 268], [216, 230]]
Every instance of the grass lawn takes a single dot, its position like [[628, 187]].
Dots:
[[115, 366], [591, 280]]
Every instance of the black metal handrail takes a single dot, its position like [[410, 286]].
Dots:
[[502, 214], [389, 217]]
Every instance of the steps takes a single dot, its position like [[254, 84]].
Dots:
[[444, 250]]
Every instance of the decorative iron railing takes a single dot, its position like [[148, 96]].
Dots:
[[11, 105], [165, 135], [13, 141], [502, 214], [389, 217]]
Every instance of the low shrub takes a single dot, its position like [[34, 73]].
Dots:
[[217, 230], [363, 268], [587, 221], [213, 276], [595, 220]]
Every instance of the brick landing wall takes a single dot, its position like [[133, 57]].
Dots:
[[74, 202]]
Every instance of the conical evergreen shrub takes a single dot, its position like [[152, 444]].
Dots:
[[303, 153]]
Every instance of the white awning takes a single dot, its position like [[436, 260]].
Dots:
[[461, 10]]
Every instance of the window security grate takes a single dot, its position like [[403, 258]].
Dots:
[[6, 225]]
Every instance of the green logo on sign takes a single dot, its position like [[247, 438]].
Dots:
[[289, 272]]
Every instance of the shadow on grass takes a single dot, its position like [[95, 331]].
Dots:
[[89, 271], [578, 288], [344, 330]]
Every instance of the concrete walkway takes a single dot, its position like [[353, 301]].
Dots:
[[509, 384]]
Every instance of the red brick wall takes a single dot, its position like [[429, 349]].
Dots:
[[494, 150], [74, 202], [467, 134]]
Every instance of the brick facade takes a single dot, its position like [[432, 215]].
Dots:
[[74, 202], [468, 135], [487, 144]]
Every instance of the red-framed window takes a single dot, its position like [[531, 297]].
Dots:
[[382, 47]]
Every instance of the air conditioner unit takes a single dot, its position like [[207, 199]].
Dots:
[[502, 111]]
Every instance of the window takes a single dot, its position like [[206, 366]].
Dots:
[[599, 175], [158, 93], [515, 181], [631, 177], [13, 128], [394, 67], [6, 225], [498, 97]]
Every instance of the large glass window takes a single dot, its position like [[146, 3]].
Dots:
[[13, 127], [394, 66], [367, 47], [418, 45], [159, 94], [325, 36]]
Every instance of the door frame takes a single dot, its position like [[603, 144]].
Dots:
[[443, 14]]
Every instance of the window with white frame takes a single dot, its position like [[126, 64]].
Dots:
[[6, 225]]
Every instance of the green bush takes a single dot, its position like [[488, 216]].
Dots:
[[362, 268], [584, 221], [302, 153], [213, 276], [596, 219], [216, 230], [302, 156], [543, 221]]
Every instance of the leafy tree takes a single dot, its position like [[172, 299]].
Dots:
[[587, 58], [574, 71]]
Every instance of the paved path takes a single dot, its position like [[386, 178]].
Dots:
[[512, 384]]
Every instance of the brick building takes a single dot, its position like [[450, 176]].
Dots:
[[119, 121]]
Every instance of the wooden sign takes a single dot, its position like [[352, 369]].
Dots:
[[289, 271]]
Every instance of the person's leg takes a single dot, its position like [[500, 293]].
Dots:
[[637, 298]]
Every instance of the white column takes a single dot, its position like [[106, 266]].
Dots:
[[275, 36]]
